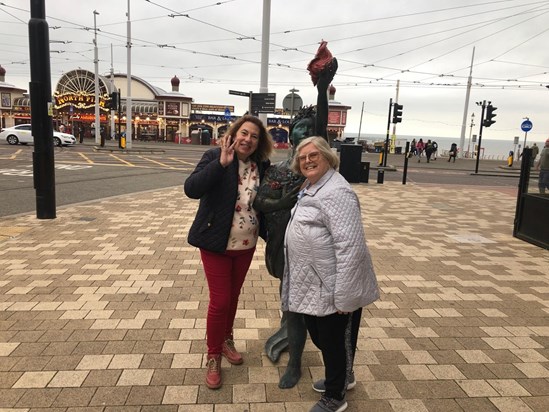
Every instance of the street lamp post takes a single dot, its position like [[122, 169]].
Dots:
[[470, 132], [96, 85], [483, 104]]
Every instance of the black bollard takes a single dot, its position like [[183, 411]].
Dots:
[[405, 171], [380, 175]]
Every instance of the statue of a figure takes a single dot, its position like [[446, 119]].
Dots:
[[276, 197]]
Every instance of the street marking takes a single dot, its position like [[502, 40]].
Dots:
[[29, 172], [14, 156], [15, 172], [86, 158], [122, 160], [72, 167], [182, 161], [158, 163]]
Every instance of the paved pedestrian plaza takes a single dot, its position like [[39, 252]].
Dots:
[[103, 309]]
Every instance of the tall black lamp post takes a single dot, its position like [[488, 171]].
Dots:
[[41, 111]]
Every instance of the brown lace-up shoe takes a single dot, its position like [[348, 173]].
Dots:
[[213, 372], [229, 351]]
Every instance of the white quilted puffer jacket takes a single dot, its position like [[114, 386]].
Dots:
[[328, 265]]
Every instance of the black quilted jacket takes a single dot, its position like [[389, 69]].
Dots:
[[216, 187]]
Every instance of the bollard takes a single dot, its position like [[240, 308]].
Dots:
[[380, 175]]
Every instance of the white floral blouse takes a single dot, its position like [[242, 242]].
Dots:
[[245, 227]]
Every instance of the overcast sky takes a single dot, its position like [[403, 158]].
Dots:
[[216, 46]]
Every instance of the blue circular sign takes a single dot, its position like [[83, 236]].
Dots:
[[227, 114], [526, 126]]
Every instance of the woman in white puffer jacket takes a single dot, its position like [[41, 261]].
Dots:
[[328, 274]]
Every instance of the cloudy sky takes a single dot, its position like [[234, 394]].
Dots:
[[216, 46]]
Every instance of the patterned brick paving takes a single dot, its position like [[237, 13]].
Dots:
[[103, 309]]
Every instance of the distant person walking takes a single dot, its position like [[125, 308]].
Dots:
[[429, 149], [543, 167], [435, 150], [413, 149], [453, 152], [420, 146], [535, 152]]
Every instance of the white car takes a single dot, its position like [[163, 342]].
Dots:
[[22, 134]]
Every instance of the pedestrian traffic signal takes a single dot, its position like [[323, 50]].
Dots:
[[397, 113], [488, 121], [113, 103]]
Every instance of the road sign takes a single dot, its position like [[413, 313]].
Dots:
[[263, 103], [227, 114], [526, 126], [297, 102], [236, 92]]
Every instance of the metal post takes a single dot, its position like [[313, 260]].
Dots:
[[405, 171], [129, 81], [466, 108], [470, 132], [250, 104], [113, 111], [96, 85], [265, 35], [41, 111], [292, 91], [360, 124], [385, 152], [393, 136], [480, 134], [118, 104]]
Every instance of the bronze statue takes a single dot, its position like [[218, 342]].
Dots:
[[276, 197]]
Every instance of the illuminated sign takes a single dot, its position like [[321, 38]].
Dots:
[[79, 100]]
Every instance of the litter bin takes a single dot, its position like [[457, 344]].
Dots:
[[364, 172], [195, 137], [350, 162], [205, 138]]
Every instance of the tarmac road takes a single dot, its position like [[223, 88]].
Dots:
[[86, 172]]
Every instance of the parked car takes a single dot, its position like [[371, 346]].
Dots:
[[22, 134]]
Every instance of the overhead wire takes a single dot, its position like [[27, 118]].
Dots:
[[285, 47]]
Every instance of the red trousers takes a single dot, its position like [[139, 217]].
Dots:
[[225, 273]]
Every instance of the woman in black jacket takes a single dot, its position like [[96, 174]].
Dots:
[[226, 228]]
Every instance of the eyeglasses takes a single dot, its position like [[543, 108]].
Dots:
[[313, 157]]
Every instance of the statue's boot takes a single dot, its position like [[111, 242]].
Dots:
[[291, 377], [277, 344], [297, 335]]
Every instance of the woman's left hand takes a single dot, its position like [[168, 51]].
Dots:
[[227, 150]]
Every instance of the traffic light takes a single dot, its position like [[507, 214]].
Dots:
[[488, 121], [397, 113], [113, 103]]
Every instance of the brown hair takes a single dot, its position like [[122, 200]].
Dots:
[[323, 147], [265, 141]]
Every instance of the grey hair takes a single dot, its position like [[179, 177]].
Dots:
[[323, 147]]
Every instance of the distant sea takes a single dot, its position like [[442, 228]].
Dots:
[[493, 148]]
